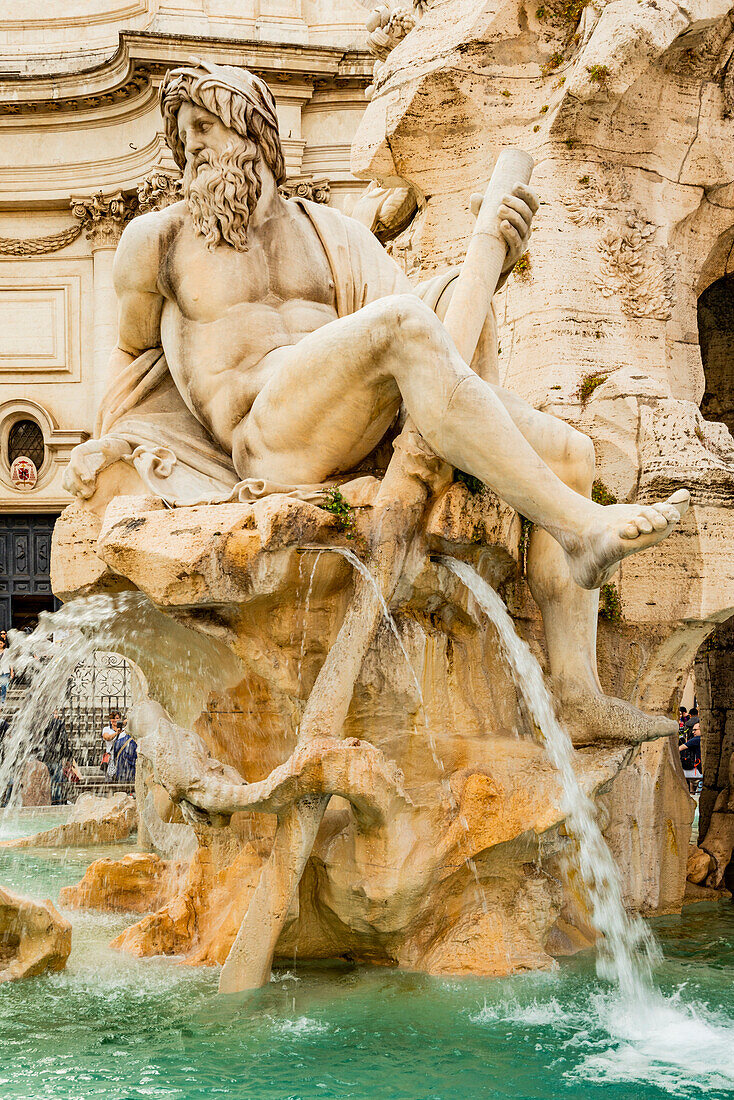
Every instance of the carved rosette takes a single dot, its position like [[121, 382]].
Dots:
[[105, 217]]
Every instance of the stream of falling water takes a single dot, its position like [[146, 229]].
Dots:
[[45, 662], [361, 568], [628, 949]]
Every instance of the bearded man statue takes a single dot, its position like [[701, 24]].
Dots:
[[268, 345]]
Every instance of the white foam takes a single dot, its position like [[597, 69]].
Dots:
[[302, 1025], [682, 1049], [535, 1014]]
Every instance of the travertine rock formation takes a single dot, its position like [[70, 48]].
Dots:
[[92, 820], [626, 110], [33, 937], [138, 883], [389, 881]]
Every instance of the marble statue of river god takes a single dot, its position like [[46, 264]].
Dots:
[[273, 341], [267, 346]]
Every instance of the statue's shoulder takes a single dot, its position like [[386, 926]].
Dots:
[[334, 223], [143, 245]]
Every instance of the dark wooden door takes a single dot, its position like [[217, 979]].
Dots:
[[25, 563]]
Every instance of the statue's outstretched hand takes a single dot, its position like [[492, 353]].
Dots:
[[88, 460], [516, 213]]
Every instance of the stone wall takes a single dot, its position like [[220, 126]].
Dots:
[[714, 672]]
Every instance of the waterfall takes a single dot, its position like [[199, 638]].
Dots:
[[628, 950]]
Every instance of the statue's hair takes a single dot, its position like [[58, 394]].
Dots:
[[243, 102]]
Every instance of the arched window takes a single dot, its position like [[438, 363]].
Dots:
[[26, 438]]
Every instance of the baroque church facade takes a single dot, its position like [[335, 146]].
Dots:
[[82, 153]]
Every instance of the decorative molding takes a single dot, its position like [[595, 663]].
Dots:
[[39, 246], [125, 9], [104, 217], [53, 182], [158, 190], [138, 83], [317, 190], [40, 322], [144, 56]]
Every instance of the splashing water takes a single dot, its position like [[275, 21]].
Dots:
[[628, 950], [684, 1048], [448, 793], [361, 568], [306, 606], [47, 667], [190, 665]]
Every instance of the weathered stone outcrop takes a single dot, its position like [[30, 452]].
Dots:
[[92, 821], [138, 883], [435, 849], [599, 324], [33, 937]]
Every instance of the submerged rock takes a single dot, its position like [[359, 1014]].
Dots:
[[34, 937]]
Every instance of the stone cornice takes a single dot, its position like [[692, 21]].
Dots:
[[142, 57]]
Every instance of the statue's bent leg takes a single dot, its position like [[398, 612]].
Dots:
[[331, 396]]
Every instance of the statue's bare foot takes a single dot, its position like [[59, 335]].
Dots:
[[620, 530], [591, 717]]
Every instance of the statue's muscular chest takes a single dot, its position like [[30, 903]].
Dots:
[[284, 264]]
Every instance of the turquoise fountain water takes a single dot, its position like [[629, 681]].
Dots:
[[114, 1027]]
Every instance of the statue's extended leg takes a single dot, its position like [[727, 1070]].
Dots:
[[332, 396], [570, 616]]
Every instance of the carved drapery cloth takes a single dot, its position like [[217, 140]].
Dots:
[[171, 450]]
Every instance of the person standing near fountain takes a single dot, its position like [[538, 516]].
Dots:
[[274, 341], [109, 733]]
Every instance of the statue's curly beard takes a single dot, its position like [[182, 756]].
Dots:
[[221, 191]]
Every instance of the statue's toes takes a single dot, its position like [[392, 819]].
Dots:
[[672, 515], [644, 525]]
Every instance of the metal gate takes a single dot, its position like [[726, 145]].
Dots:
[[97, 686]]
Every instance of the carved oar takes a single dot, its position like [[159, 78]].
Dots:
[[411, 475]]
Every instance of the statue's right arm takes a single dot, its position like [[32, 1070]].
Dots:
[[135, 276]]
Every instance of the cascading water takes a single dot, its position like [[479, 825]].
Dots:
[[361, 568], [448, 794], [628, 949], [46, 667], [190, 666], [652, 1034]]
